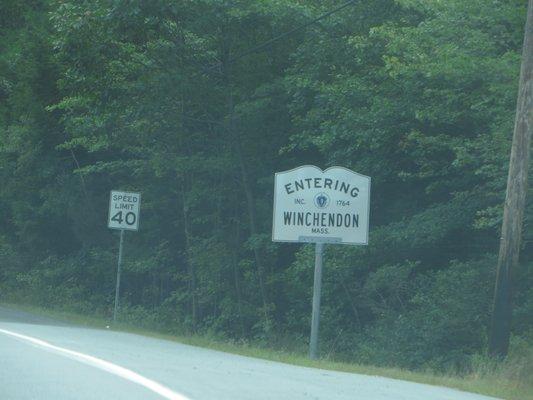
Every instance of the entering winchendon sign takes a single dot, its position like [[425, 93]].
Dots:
[[330, 206]]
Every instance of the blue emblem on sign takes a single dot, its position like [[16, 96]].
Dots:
[[322, 200]]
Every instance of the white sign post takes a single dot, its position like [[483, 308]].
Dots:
[[124, 208], [315, 206]]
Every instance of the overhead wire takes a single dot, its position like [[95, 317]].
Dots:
[[284, 35]]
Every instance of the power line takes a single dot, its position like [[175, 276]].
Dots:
[[285, 34]]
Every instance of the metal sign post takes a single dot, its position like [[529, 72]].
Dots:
[[124, 209], [320, 206], [317, 289], [117, 288]]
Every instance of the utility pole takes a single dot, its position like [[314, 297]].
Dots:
[[515, 200]]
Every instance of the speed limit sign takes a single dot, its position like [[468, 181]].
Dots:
[[124, 210]]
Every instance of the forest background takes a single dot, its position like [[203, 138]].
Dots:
[[167, 99]]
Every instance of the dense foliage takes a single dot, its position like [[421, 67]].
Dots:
[[165, 98]]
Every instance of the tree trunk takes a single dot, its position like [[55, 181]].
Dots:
[[252, 219], [236, 276], [250, 202], [191, 270]]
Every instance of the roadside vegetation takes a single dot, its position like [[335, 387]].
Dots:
[[166, 98]]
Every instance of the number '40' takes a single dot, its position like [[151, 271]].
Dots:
[[129, 218]]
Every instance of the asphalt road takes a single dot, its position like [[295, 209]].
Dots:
[[42, 359]]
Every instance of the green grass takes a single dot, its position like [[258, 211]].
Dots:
[[510, 380]]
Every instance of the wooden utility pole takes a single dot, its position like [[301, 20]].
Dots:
[[515, 199]]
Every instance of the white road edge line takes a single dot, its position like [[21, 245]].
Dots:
[[125, 373]]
